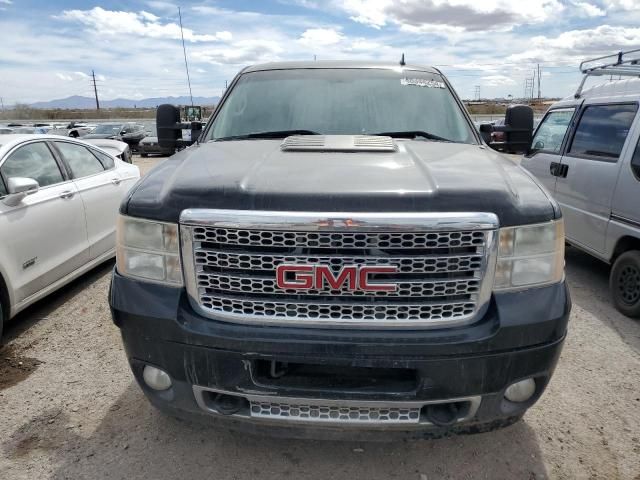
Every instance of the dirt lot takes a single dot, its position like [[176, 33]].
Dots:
[[69, 408]]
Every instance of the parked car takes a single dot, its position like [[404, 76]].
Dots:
[[131, 133], [149, 146], [59, 202], [116, 148], [586, 152], [24, 130], [342, 256], [73, 129]]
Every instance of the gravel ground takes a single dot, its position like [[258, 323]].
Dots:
[[69, 408]]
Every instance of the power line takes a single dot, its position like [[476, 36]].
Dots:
[[184, 50]]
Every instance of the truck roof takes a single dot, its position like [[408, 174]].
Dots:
[[337, 64], [617, 90]]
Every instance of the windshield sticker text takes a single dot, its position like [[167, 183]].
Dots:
[[421, 82]]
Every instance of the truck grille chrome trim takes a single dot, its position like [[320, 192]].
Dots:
[[445, 266], [340, 412]]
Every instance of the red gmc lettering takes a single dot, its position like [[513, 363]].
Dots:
[[376, 287], [351, 277], [346, 275], [303, 278]]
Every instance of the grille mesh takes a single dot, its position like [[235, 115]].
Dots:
[[334, 240], [249, 261], [333, 413], [231, 283], [439, 275], [337, 311]]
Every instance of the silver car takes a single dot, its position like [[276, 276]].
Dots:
[[586, 151]]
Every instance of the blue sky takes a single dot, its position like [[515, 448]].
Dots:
[[48, 48]]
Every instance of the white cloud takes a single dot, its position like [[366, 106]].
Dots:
[[149, 16], [621, 4], [241, 52], [6, 2], [574, 45], [320, 37], [65, 77], [469, 15], [588, 9], [497, 80], [110, 22]]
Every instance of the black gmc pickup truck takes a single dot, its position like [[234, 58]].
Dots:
[[341, 255]]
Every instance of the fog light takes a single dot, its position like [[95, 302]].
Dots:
[[156, 378], [520, 391]]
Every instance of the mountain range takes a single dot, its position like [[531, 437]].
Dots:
[[80, 102]]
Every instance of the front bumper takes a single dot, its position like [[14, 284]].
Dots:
[[469, 367]]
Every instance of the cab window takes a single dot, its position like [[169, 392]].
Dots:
[[602, 131], [635, 161], [107, 161], [33, 160], [552, 130], [80, 160]]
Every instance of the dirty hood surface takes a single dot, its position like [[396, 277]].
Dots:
[[421, 176]]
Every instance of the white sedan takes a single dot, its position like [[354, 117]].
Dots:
[[59, 200]]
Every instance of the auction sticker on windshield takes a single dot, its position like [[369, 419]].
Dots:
[[422, 82]]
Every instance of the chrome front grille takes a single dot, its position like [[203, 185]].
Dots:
[[445, 265]]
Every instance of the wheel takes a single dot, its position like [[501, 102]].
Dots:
[[624, 283], [1, 320]]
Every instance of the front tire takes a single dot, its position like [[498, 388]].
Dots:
[[1, 320], [624, 283]]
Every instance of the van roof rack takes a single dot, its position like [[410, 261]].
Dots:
[[625, 64]]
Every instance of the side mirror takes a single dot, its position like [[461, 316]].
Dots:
[[19, 188], [167, 124], [485, 132], [517, 128]]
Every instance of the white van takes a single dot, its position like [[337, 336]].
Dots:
[[586, 151]]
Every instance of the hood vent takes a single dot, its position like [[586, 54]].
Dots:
[[338, 143]]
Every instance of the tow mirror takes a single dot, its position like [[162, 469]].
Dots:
[[168, 126], [517, 128], [19, 188], [485, 132]]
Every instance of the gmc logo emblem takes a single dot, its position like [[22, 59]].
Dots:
[[352, 278]]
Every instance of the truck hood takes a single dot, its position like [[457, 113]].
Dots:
[[421, 176]]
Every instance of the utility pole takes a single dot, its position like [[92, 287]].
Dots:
[[529, 87], [95, 88], [539, 82]]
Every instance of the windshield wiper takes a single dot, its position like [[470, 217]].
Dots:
[[274, 134], [412, 134]]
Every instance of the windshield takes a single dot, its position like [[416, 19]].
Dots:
[[341, 102], [110, 128]]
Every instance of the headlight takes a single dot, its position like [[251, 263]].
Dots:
[[531, 255], [148, 250]]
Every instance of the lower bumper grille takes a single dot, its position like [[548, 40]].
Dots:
[[322, 411], [334, 413]]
